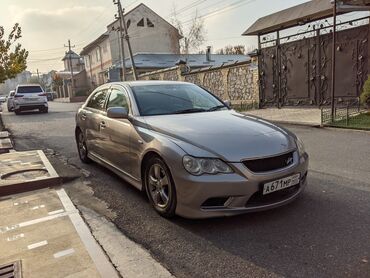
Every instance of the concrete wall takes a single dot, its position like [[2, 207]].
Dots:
[[237, 82], [162, 38]]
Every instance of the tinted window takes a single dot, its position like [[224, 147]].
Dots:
[[117, 99], [97, 101], [29, 89], [173, 99]]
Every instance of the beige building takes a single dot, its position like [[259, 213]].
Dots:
[[98, 59], [148, 33]]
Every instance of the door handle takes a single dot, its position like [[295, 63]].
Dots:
[[103, 125], [83, 116]]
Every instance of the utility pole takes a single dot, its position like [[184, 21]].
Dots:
[[122, 47], [334, 49], [70, 64], [38, 75], [123, 22]]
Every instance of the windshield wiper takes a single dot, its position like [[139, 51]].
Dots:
[[218, 107], [190, 110]]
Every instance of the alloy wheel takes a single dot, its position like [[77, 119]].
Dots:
[[159, 187]]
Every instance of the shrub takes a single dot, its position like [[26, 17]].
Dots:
[[365, 96]]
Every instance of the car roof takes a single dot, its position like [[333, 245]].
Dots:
[[28, 85], [149, 83]]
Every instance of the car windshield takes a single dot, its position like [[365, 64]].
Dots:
[[167, 99], [29, 89]]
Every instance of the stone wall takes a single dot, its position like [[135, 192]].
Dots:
[[236, 82]]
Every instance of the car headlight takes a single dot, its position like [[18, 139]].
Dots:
[[198, 166], [300, 147]]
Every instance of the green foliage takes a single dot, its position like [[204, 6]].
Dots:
[[365, 96], [13, 58]]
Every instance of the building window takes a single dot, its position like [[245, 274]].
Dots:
[[141, 23], [97, 53], [149, 23], [128, 23]]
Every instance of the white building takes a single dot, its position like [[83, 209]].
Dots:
[[148, 33]]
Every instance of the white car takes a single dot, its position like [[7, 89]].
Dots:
[[10, 101], [2, 99], [30, 97]]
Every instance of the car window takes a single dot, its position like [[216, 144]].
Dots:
[[97, 101], [118, 98], [173, 99], [29, 90]]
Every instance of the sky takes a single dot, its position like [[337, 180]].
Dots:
[[48, 24]]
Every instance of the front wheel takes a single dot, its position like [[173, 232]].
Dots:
[[82, 148], [160, 187]]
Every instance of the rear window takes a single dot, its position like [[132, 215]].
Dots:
[[29, 90]]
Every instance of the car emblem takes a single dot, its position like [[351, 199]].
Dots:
[[289, 160]]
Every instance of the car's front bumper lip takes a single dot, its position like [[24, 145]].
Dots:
[[193, 191]]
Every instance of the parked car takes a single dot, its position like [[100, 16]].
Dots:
[[50, 96], [188, 150], [30, 97], [2, 99], [10, 101]]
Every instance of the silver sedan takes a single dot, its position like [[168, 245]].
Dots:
[[192, 154]]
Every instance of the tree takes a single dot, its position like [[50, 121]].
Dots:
[[193, 36], [229, 49], [13, 58]]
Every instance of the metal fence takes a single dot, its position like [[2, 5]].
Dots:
[[346, 116]]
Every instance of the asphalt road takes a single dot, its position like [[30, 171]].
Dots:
[[325, 233]]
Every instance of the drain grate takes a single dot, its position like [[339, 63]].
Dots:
[[11, 270]]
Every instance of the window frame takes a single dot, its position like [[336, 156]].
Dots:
[[105, 101], [125, 93]]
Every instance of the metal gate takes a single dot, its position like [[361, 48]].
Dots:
[[298, 73]]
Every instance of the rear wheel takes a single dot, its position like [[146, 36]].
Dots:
[[17, 111], [10, 109], [44, 110], [160, 187], [82, 148]]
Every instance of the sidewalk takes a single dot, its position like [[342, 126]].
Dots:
[[43, 230], [298, 116]]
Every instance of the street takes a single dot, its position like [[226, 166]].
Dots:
[[325, 233]]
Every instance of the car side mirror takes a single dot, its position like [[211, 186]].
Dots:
[[227, 103], [117, 113]]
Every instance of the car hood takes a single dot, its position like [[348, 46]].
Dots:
[[226, 134]]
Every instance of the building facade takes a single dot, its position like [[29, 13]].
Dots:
[[148, 33]]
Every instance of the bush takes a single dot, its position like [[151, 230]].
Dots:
[[365, 96]]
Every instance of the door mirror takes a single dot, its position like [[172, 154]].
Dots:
[[227, 103], [117, 113]]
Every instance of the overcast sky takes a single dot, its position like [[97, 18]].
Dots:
[[48, 24]]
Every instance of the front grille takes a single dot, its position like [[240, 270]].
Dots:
[[11, 270], [269, 163], [258, 199]]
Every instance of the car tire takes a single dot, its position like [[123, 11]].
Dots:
[[160, 187], [10, 109], [43, 110], [17, 111], [81, 147]]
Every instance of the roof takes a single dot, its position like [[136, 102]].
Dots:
[[167, 60], [71, 54], [297, 15], [94, 43], [142, 4]]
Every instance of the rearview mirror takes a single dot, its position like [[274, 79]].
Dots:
[[117, 113], [227, 103]]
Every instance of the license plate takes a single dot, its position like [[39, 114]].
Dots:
[[280, 184]]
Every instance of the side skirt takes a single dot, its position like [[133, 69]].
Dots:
[[130, 179]]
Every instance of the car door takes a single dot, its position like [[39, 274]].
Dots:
[[92, 116], [117, 132]]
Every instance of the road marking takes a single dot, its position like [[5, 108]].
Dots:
[[37, 207], [37, 244], [64, 253], [56, 211], [15, 237]]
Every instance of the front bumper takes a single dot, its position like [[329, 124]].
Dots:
[[241, 190]]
